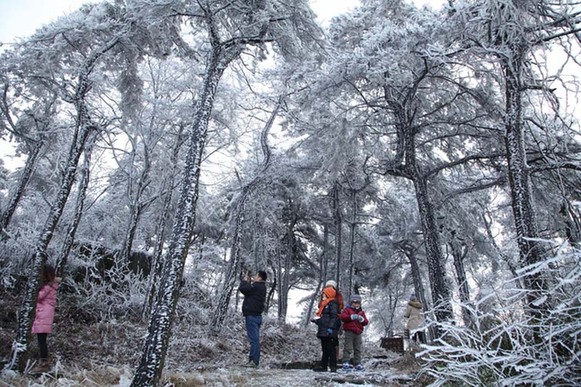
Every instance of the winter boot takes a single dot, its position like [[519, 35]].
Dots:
[[41, 367]]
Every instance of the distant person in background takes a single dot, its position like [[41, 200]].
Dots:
[[354, 319], [327, 320], [415, 314], [44, 316], [254, 290]]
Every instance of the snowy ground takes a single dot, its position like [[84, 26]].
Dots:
[[378, 373], [106, 353], [244, 377], [296, 378]]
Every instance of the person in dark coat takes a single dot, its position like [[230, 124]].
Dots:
[[254, 291], [328, 323], [340, 300]]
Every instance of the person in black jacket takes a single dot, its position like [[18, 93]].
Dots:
[[254, 291], [328, 329]]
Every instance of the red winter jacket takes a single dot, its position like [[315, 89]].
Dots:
[[354, 326], [45, 308]]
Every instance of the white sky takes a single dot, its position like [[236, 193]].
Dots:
[[20, 18]]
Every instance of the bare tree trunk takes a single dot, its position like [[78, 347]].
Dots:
[[236, 220], [270, 294], [220, 56], [531, 251], [33, 146], [136, 206], [161, 228], [459, 254], [155, 348], [325, 255], [322, 275], [436, 270], [19, 192], [338, 219], [391, 311], [352, 230], [61, 261], [280, 270], [507, 259], [409, 251], [234, 266], [572, 223], [286, 265], [83, 130], [405, 164]]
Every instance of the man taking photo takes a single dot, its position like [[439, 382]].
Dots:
[[254, 290]]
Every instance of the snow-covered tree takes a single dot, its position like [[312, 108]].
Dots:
[[231, 29]]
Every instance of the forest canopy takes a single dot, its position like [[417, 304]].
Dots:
[[397, 150]]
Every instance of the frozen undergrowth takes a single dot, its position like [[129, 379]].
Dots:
[[106, 354]]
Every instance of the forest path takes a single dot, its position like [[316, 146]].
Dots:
[[378, 373]]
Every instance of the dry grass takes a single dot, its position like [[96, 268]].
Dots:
[[106, 352]]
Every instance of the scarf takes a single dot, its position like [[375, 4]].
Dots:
[[330, 293]]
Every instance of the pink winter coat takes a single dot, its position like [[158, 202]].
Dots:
[[45, 308]]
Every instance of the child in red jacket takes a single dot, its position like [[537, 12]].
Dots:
[[354, 320]]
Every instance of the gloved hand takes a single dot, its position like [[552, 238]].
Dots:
[[315, 320], [354, 317], [329, 331], [360, 318]]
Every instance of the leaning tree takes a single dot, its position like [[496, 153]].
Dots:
[[225, 31]]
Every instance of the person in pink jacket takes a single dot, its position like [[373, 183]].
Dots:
[[44, 317]]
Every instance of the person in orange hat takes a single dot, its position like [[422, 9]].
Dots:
[[340, 300], [328, 323]]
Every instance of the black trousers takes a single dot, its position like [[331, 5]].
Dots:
[[42, 346], [329, 358], [419, 337]]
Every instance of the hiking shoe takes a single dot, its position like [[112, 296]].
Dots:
[[359, 367], [251, 364], [346, 366], [41, 367], [333, 370]]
